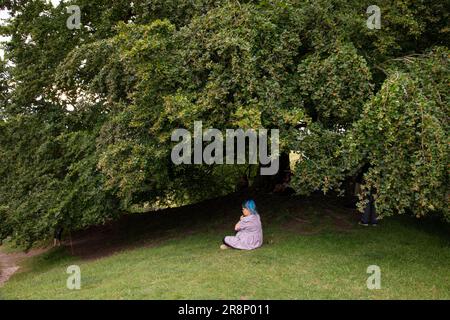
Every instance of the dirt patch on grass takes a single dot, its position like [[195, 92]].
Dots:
[[313, 217], [9, 262]]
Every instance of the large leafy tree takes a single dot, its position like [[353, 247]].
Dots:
[[49, 157], [87, 113], [403, 132]]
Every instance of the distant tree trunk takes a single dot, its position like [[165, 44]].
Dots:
[[267, 183]]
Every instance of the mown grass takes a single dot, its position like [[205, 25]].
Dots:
[[414, 259]]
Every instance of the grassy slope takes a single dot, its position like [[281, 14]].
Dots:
[[313, 250]]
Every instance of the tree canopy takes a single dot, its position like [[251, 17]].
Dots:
[[87, 114]]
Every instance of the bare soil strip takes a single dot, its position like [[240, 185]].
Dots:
[[9, 263]]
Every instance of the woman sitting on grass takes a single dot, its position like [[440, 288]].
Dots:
[[249, 230]]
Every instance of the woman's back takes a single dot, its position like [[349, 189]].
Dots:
[[249, 235]]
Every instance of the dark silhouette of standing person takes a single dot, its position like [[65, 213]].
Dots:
[[57, 236], [369, 215]]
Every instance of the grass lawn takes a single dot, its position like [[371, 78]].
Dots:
[[313, 250]]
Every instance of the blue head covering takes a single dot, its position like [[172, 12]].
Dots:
[[250, 205]]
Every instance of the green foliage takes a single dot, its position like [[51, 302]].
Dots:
[[179, 12], [50, 180], [335, 88], [404, 133], [319, 166], [215, 69]]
